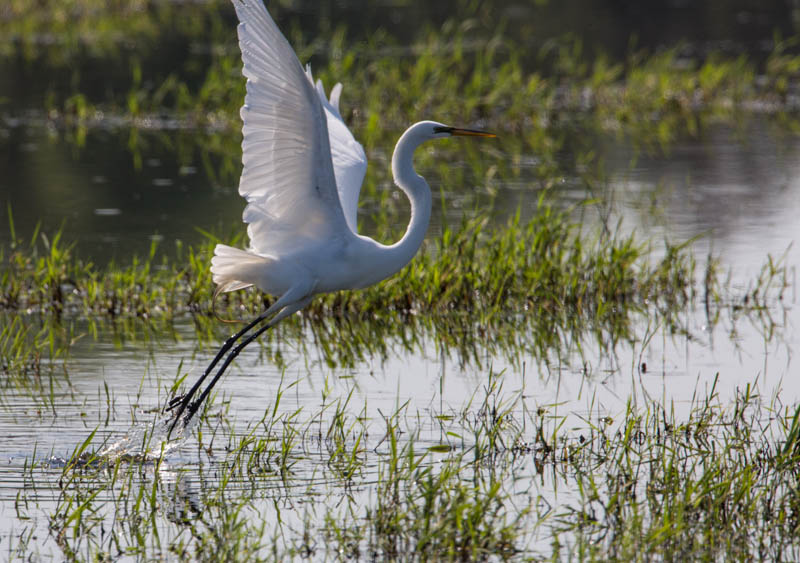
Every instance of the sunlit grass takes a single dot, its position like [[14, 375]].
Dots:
[[459, 72], [546, 286], [559, 281], [334, 481], [673, 486]]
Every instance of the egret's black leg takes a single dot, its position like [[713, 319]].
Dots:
[[183, 401], [193, 407], [287, 305]]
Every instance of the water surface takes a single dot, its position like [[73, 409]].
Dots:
[[114, 189], [737, 194]]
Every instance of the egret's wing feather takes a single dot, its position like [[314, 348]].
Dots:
[[349, 159], [288, 178]]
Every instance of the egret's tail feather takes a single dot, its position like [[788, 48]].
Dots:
[[233, 269]]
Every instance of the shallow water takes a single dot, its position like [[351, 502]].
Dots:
[[433, 385], [114, 190], [737, 190]]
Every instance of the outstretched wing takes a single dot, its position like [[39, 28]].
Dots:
[[349, 160], [288, 178]]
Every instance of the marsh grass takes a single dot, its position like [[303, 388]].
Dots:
[[547, 287], [33, 359], [451, 507], [473, 283], [516, 482], [720, 484], [469, 70], [494, 75], [499, 478]]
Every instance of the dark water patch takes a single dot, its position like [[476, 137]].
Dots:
[[106, 199]]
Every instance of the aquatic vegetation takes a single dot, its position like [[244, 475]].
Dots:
[[463, 71], [547, 275], [548, 287], [33, 357], [704, 486], [327, 475], [498, 480]]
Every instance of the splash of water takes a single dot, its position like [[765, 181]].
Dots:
[[148, 441]]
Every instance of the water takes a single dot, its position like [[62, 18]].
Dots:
[[734, 190], [108, 204], [737, 191], [700, 188]]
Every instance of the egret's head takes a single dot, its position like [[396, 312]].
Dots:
[[422, 132], [427, 130]]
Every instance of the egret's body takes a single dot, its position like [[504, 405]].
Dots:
[[301, 178]]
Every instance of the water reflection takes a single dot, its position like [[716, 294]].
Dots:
[[739, 190], [235, 465], [105, 202]]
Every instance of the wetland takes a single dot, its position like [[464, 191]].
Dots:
[[590, 358]]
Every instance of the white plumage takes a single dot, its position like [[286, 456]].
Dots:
[[301, 178], [349, 160], [302, 167]]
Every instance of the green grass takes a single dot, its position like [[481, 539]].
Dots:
[[718, 482], [490, 480], [464, 71], [546, 274], [546, 286]]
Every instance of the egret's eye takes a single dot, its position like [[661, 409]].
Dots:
[[442, 129]]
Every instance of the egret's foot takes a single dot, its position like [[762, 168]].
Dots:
[[175, 402], [182, 417], [181, 413], [176, 425]]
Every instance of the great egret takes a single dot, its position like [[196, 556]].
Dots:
[[302, 175]]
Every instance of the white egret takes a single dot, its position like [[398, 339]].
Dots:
[[301, 178]]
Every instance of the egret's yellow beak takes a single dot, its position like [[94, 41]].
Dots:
[[470, 132], [463, 132]]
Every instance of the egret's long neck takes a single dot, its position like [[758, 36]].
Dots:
[[394, 257]]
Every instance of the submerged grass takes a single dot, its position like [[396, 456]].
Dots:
[[33, 358], [514, 483], [720, 485]]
